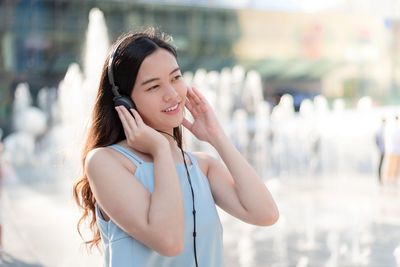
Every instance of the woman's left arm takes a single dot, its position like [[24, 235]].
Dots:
[[236, 188]]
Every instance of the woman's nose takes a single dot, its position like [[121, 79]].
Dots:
[[170, 93]]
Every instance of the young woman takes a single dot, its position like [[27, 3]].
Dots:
[[151, 203]]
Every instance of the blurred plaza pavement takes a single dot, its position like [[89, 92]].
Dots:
[[324, 221], [346, 220], [40, 228]]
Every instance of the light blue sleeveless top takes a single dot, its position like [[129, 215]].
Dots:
[[122, 250]]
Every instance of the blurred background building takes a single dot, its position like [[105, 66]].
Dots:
[[345, 49]]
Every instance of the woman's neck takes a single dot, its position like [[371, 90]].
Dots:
[[171, 138]]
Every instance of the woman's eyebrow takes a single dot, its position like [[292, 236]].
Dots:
[[149, 81], [176, 69], [154, 79]]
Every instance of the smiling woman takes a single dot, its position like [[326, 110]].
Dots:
[[150, 202]]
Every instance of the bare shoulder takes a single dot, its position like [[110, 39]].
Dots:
[[105, 157], [203, 157], [205, 161], [98, 155]]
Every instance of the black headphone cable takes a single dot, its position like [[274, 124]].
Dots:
[[193, 206]]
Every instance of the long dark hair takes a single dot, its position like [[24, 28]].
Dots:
[[106, 127]]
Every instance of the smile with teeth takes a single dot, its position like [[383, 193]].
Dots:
[[171, 108]]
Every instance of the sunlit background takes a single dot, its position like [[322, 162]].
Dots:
[[300, 87]]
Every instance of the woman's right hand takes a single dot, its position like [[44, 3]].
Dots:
[[138, 135]]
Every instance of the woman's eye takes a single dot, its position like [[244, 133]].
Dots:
[[153, 87], [177, 77]]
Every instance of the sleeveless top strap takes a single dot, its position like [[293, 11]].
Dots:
[[192, 158], [127, 153]]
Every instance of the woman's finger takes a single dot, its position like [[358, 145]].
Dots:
[[193, 96], [138, 118], [200, 101], [127, 119], [124, 123], [196, 103], [199, 95], [187, 124], [190, 107], [130, 118], [204, 103]]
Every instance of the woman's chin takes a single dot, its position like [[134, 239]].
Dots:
[[177, 123], [171, 125]]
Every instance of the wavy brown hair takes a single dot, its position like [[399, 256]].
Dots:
[[106, 128]]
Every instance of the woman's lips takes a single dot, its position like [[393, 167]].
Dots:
[[172, 109]]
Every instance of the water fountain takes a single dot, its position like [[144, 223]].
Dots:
[[29, 124], [80, 88], [66, 117]]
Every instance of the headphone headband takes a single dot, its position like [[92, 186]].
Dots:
[[118, 99], [111, 71]]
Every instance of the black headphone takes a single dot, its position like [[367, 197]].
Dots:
[[119, 100]]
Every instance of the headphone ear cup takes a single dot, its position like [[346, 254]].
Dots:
[[124, 101]]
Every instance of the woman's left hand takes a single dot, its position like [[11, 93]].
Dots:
[[205, 125]]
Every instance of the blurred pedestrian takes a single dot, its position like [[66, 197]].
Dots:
[[150, 202], [380, 143], [393, 151]]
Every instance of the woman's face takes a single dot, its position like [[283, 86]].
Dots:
[[160, 91]]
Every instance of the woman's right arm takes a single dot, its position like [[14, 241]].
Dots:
[[157, 219]]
